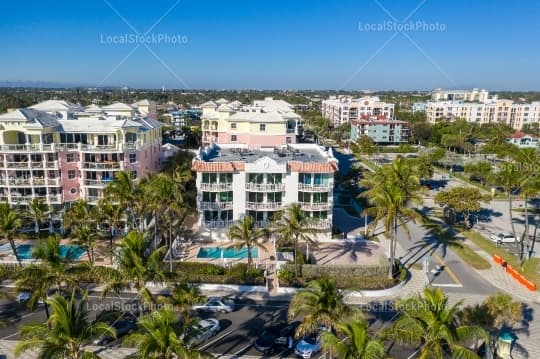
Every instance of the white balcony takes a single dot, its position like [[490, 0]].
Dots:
[[34, 147], [314, 187], [316, 206], [218, 224], [216, 205], [102, 166], [53, 198], [29, 182], [265, 187], [321, 224], [216, 187], [17, 165], [97, 183], [92, 199], [261, 206]]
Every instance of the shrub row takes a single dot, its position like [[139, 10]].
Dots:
[[309, 271], [194, 272]]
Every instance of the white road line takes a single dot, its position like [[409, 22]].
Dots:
[[206, 345], [9, 336], [243, 349], [449, 285]]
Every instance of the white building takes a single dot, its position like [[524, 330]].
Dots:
[[234, 180], [345, 109], [474, 95], [523, 140]]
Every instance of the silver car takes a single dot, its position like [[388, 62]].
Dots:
[[503, 237], [202, 331], [216, 305]]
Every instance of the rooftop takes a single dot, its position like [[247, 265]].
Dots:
[[299, 153]]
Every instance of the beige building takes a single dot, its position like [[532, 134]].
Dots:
[[344, 109]]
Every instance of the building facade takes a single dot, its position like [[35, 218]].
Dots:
[[62, 152], [474, 95], [346, 109], [381, 130], [523, 140], [234, 181], [266, 122]]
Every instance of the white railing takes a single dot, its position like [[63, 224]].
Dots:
[[263, 205], [97, 183], [265, 187], [27, 147], [21, 199], [216, 186], [261, 224], [314, 187], [92, 199], [320, 224], [218, 224], [17, 164], [31, 182], [216, 205], [315, 206], [102, 165]]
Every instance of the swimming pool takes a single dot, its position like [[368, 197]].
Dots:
[[75, 252], [228, 253]]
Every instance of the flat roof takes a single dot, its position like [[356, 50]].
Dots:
[[312, 154]]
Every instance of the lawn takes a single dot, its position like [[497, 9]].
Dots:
[[530, 269]]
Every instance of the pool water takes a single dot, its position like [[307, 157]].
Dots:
[[228, 253], [75, 252]]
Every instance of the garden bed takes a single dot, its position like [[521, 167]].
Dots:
[[195, 272]]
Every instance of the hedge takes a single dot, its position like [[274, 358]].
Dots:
[[194, 272], [309, 271]]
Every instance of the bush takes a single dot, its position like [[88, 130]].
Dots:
[[194, 272], [309, 271]]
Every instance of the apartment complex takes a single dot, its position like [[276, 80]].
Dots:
[[344, 109], [63, 152], [508, 112], [234, 181], [265, 122], [474, 95], [381, 130]]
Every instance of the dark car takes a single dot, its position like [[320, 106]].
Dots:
[[477, 179], [121, 322], [276, 337]]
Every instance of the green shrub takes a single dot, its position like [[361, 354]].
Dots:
[[195, 272], [285, 274]]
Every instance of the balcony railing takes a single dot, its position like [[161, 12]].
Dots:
[[263, 205], [261, 224], [315, 206], [216, 186], [53, 198], [97, 183], [17, 165], [27, 148], [265, 187], [314, 187], [102, 165], [14, 182], [218, 224], [216, 205], [320, 224], [92, 199]]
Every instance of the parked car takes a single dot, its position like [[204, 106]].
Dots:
[[23, 297], [503, 237], [202, 331], [477, 179], [216, 305], [123, 323], [279, 336], [307, 346]]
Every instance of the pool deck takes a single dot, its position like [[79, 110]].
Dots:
[[193, 250], [7, 257]]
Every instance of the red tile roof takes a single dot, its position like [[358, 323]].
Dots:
[[201, 166], [296, 166], [520, 135]]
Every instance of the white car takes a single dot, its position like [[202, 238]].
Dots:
[[216, 305], [307, 346], [503, 238], [202, 331], [23, 297]]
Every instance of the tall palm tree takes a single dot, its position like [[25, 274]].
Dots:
[[183, 297], [162, 337], [430, 323], [86, 235], [320, 304], [245, 235], [10, 222], [38, 211], [390, 191], [112, 214], [121, 190], [65, 332], [352, 340], [54, 270], [78, 214], [295, 226]]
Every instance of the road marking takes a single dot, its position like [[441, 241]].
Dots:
[[447, 269], [243, 349], [206, 345], [449, 285], [9, 336]]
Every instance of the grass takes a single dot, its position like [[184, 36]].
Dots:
[[530, 268]]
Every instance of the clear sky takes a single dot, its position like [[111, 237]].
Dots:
[[274, 44]]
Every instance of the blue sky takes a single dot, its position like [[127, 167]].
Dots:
[[286, 44]]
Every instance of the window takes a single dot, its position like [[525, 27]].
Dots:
[[233, 138], [304, 197], [134, 174], [70, 157], [209, 196], [225, 196], [320, 179], [225, 178], [262, 127], [226, 215], [256, 215], [132, 157], [72, 174], [233, 126], [305, 178], [209, 177], [273, 197], [73, 190], [273, 178], [320, 197], [320, 214], [255, 178], [211, 215], [255, 196]]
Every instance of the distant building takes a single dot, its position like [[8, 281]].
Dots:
[[237, 180], [418, 107], [182, 118], [264, 123], [380, 130], [524, 140], [346, 109], [474, 95]]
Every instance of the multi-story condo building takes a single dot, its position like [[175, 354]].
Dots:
[[62, 152], [515, 115], [346, 109], [380, 130], [474, 95], [238, 180], [266, 122]]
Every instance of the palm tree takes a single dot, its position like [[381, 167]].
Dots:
[[79, 213], [352, 340], [245, 235], [510, 178], [112, 214], [183, 297], [54, 270], [64, 333], [162, 337], [86, 235], [295, 226], [121, 190], [390, 191], [38, 211], [10, 222], [320, 304], [430, 323]]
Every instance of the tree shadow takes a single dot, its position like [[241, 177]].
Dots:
[[351, 250]]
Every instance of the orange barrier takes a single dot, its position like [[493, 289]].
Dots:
[[515, 274]]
